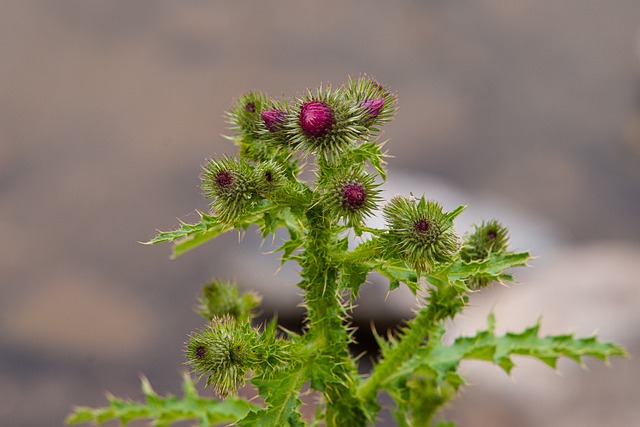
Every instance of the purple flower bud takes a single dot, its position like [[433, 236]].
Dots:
[[273, 119], [354, 196], [224, 179], [373, 107], [250, 107], [316, 118], [422, 226]]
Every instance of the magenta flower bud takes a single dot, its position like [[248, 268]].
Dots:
[[273, 119], [373, 107], [354, 196], [316, 118], [224, 179]]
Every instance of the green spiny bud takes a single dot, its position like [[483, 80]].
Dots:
[[420, 232], [224, 352], [377, 102], [488, 238], [245, 118], [233, 184], [220, 298], [350, 194], [271, 178]]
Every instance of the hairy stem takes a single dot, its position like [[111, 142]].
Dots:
[[335, 370], [444, 302]]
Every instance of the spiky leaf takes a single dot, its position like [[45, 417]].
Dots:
[[486, 345], [280, 391], [164, 411]]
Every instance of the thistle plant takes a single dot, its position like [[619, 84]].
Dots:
[[333, 132]]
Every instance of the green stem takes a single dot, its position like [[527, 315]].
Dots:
[[334, 370], [444, 302]]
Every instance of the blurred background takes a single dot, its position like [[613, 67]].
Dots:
[[527, 110]]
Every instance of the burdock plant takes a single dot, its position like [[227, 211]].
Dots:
[[333, 132]]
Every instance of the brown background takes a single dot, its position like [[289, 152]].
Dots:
[[108, 109]]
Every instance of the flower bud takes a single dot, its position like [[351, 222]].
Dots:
[[250, 107], [223, 180], [373, 107], [327, 123], [488, 238], [316, 118], [221, 298], [224, 352], [349, 194], [255, 118], [420, 232], [245, 114], [354, 196], [271, 178], [377, 104], [273, 119], [233, 185]]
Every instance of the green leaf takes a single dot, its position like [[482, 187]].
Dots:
[[280, 390], [296, 230], [165, 411], [397, 271], [492, 269], [485, 345], [455, 213], [353, 275], [188, 236], [369, 151]]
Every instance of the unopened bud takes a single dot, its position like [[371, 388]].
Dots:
[[224, 179], [223, 352], [354, 196], [373, 107], [273, 119], [420, 231], [316, 118]]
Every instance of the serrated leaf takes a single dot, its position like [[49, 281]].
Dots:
[[188, 236], [397, 272], [493, 267], [485, 345], [164, 411], [280, 391], [372, 152], [296, 230], [353, 275]]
